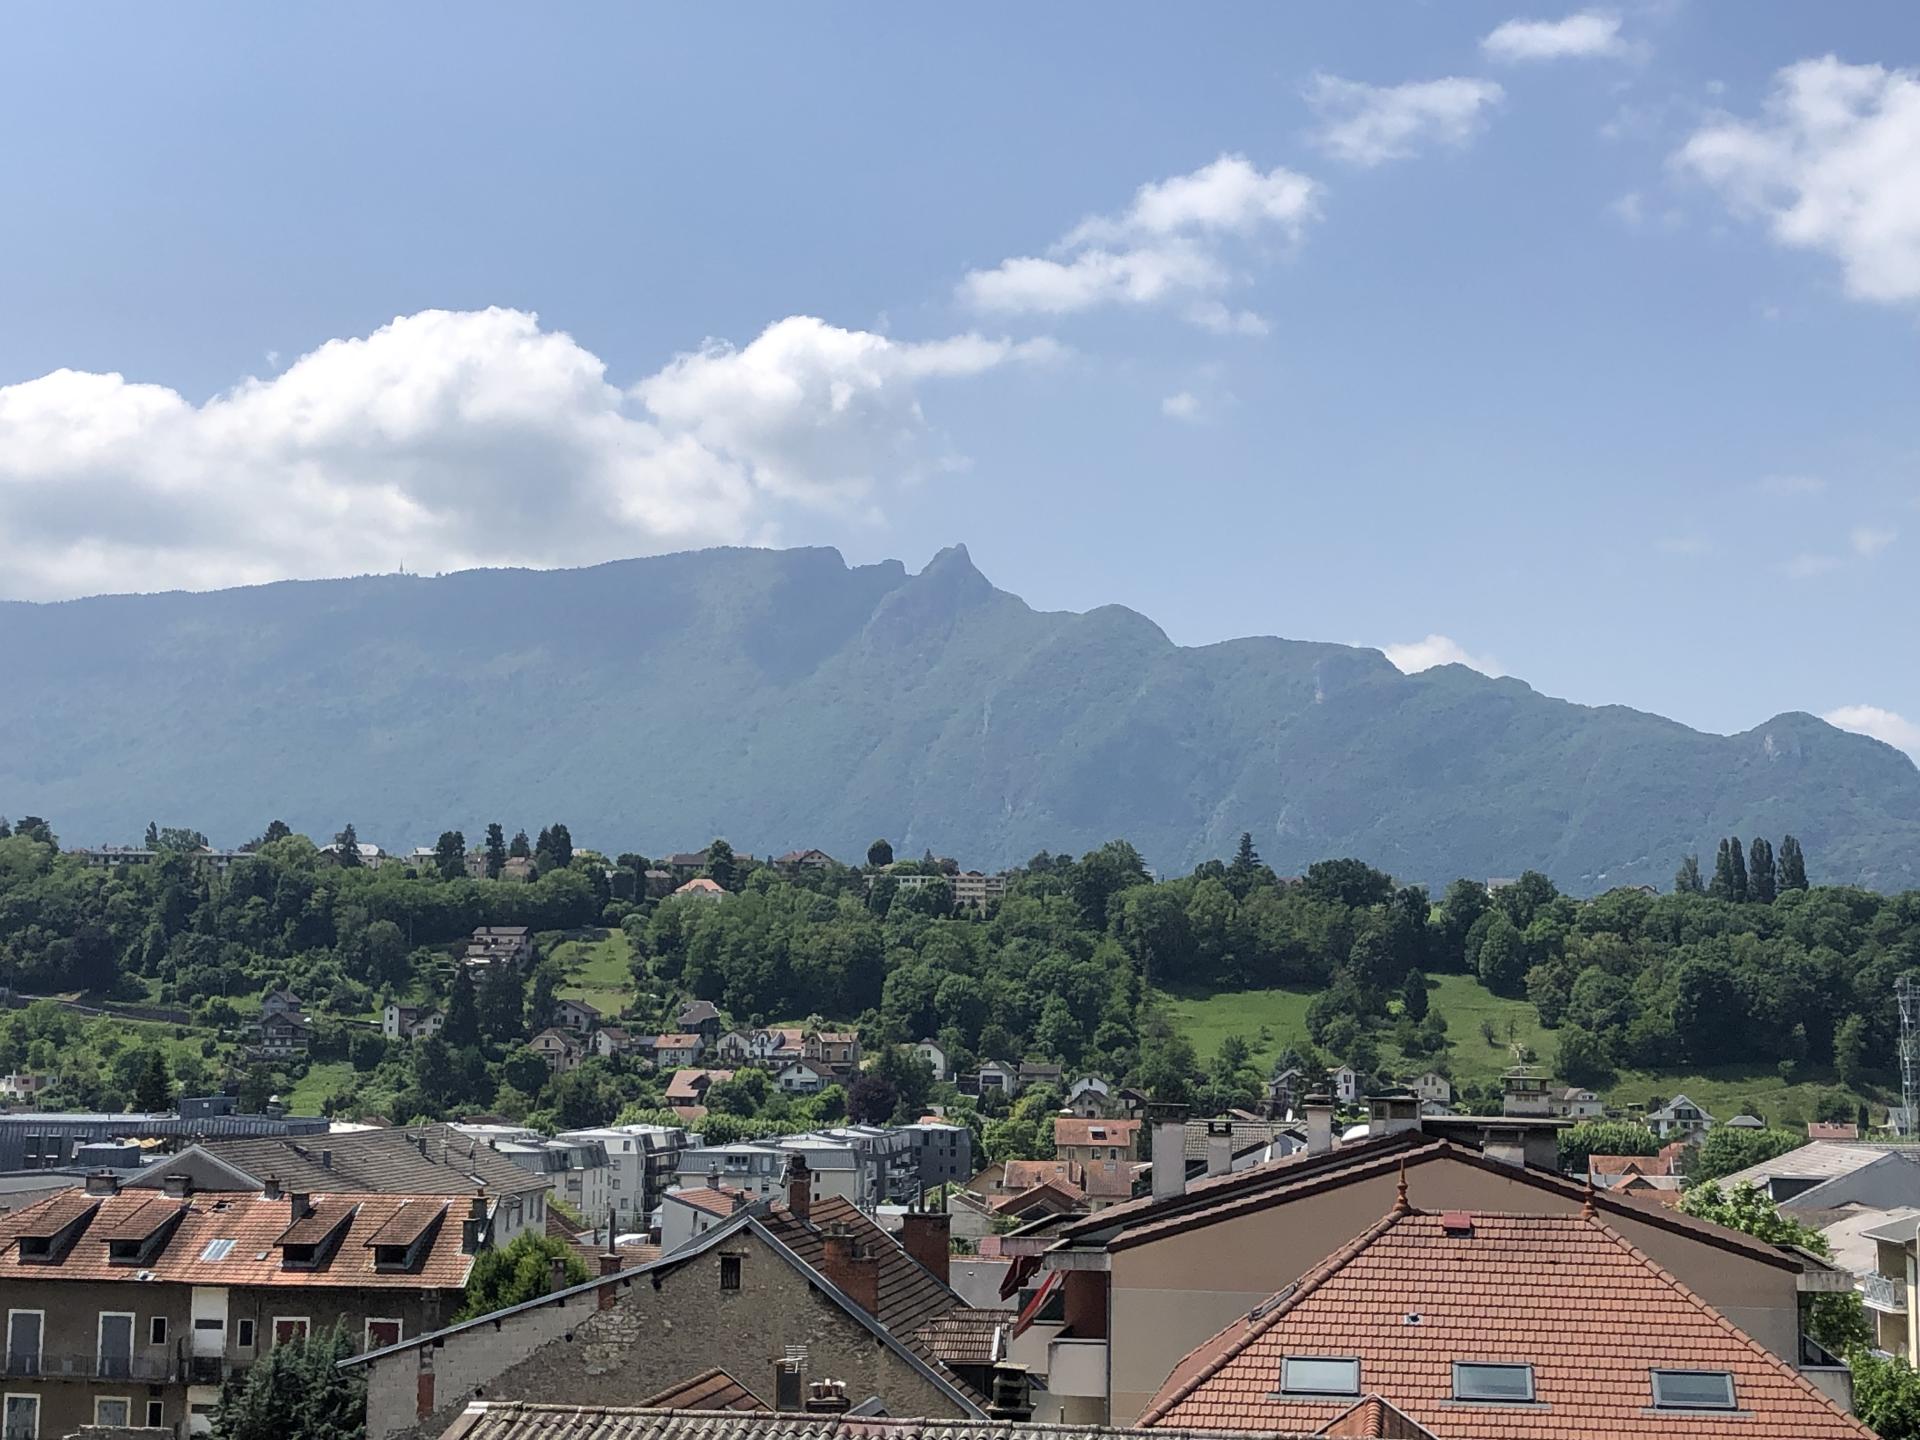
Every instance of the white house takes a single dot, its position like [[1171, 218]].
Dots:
[[576, 1015], [801, 1077], [931, 1052], [1346, 1085], [1575, 1103], [410, 1022], [998, 1075], [1433, 1088], [1679, 1119], [677, 1051]]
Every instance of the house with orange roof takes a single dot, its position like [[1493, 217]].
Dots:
[[699, 888], [1459, 1320], [1087, 1141], [130, 1308]]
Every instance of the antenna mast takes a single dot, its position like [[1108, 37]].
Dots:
[[1909, 998]]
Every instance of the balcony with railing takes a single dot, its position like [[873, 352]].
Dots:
[[58, 1365], [1882, 1292]]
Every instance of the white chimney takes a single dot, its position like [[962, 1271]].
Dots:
[[1169, 1151], [1319, 1110], [1219, 1147]]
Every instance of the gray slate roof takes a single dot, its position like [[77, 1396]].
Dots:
[[381, 1162]]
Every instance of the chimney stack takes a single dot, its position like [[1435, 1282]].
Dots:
[[297, 1206], [799, 1189], [1319, 1110], [928, 1238], [789, 1391], [271, 1190], [1169, 1151], [857, 1274], [828, 1397], [103, 1182], [176, 1187], [556, 1274], [1011, 1393], [1219, 1147]]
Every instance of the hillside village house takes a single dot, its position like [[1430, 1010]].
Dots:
[[1679, 1119], [1433, 1088], [1147, 1281], [1090, 1140], [500, 945], [285, 1034], [678, 1050], [410, 1022], [576, 1015], [794, 861], [1574, 1103], [699, 888], [935, 1058], [1346, 1085], [687, 1090], [608, 1041], [703, 1018], [802, 1077], [836, 1050], [998, 1075], [129, 1308], [561, 1051]]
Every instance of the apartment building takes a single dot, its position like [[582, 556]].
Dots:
[[130, 1308], [579, 1169], [642, 1165]]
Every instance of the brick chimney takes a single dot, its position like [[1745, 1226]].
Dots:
[[799, 1189], [855, 1272], [928, 1238]]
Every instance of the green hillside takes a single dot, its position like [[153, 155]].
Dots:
[[788, 700]]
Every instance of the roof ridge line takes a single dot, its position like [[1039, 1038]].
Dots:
[[1307, 1285]]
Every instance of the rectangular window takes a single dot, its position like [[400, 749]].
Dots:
[[20, 1420], [1319, 1375], [24, 1331], [289, 1327], [1692, 1390], [115, 1410], [156, 1414], [1504, 1384], [382, 1333], [729, 1272], [243, 1335], [157, 1330]]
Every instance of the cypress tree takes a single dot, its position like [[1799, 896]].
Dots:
[[1722, 886], [496, 850], [1793, 865], [1686, 880], [1761, 886], [1739, 871], [463, 1014]]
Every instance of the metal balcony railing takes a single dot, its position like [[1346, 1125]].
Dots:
[[59, 1365], [1884, 1293]]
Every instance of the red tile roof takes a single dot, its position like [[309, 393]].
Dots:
[[1821, 1130], [713, 1199], [1025, 1174], [1565, 1294], [1071, 1130], [712, 1389], [254, 1224], [1630, 1164]]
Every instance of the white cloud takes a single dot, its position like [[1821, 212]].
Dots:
[[1370, 124], [1811, 566], [1895, 730], [1871, 540], [1170, 244], [1629, 209], [1589, 34], [1832, 165], [449, 439], [1184, 405], [1418, 655]]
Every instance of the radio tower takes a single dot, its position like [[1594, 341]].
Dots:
[[1909, 998]]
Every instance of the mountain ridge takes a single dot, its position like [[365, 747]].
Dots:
[[786, 699]]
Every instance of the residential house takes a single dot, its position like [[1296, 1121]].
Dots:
[[1089, 1096], [659, 884], [580, 1170], [943, 1153], [837, 1051], [1524, 1092], [998, 1075], [687, 1213], [577, 1016], [400, 1160], [410, 1022], [285, 1034], [1457, 1319], [608, 1041], [774, 1045], [500, 945], [802, 1077], [699, 888], [935, 1057], [687, 1090], [642, 1163], [1830, 1130], [42, 1140], [1226, 1244], [1574, 1103], [1679, 1119], [22, 1085], [1878, 1248], [1287, 1090], [128, 1309], [678, 1050], [703, 1018], [561, 1051], [733, 1048], [1434, 1089], [1346, 1085], [1236, 1141], [1090, 1140], [1036, 1072], [795, 861], [733, 1405], [1609, 1172], [809, 1288], [280, 1002], [975, 891], [1827, 1177]]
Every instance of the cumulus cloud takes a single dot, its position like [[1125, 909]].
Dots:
[[449, 439], [1871, 539], [1417, 655], [1182, 405], [1895, 730], [1169, 245], [1832, 165], [1590, 34], [1371, 124]]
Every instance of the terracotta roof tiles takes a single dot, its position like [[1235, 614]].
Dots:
[[1564, 1294], [712, 1389]]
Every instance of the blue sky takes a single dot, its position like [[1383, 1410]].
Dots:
[[1581, 341]]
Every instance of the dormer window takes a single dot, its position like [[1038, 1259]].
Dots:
[[1319, 1375], [298, 1257]]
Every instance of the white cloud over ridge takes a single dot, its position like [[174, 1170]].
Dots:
[[1168, 246], [1895, 730], [1369, 125], [1832, 165], [1588, 34], [449, 439], [1414, 656]]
